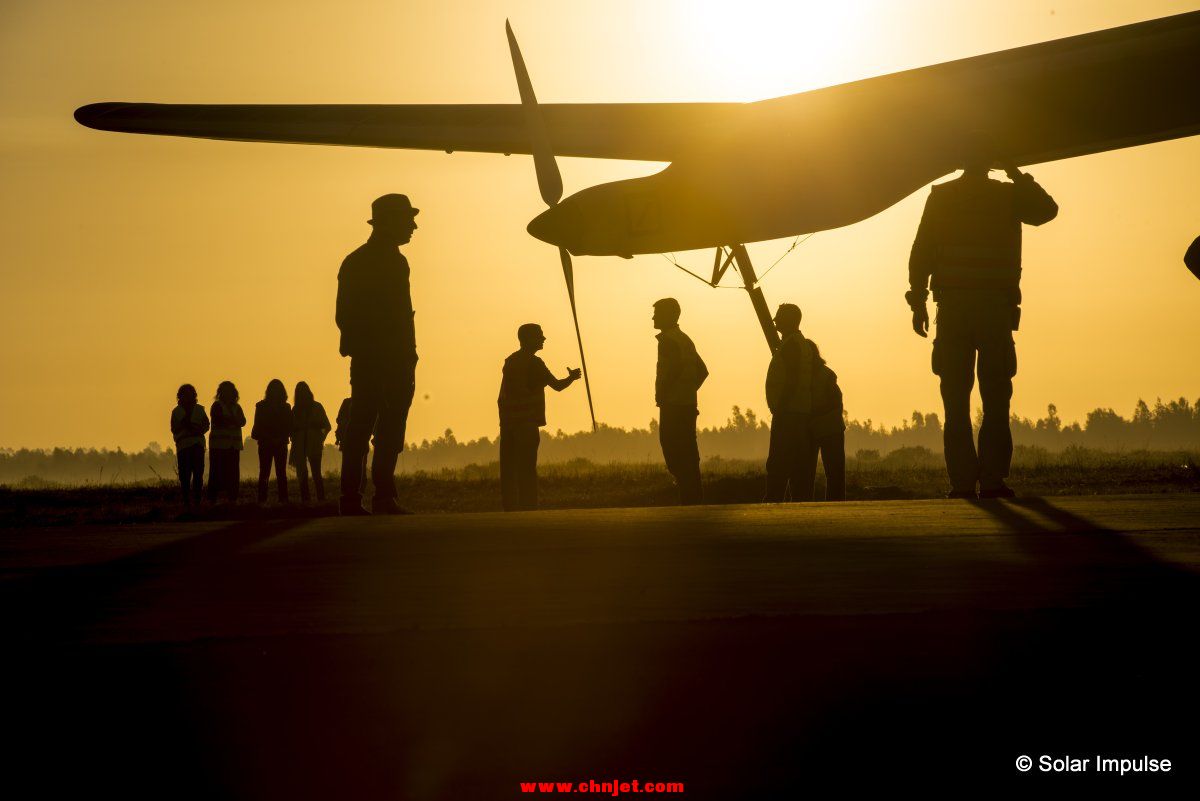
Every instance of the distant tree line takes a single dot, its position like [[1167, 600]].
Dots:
[[1166, 426]]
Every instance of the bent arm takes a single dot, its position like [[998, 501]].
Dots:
[[1033, 205]]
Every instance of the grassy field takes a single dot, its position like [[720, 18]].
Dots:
[[907, 473]]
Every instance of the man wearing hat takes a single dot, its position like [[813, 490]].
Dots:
[[375, 316]]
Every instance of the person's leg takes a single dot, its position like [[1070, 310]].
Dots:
[[510, 493], [233, 474], [997, 367], [833, 458], [264, 470], [365, 393], [677, 435], [198, 475], [216, 479], [803, 467], [399, 388], [302, 477], [280, 458], [530, 439], [954, 364], [182, 468], [778, 458], [314, 462]]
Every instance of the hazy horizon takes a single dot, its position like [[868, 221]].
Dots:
[[133, 264]]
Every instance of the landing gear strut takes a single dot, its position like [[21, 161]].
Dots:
[[738, 256]]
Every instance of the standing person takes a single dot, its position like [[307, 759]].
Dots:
[[225, 443], [375, 316], [827, 430], [968, 250], [789, 397], [272, 427], [522, 405], [188, 426], [679, 374], [310, 426]]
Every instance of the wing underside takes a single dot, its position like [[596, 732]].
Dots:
[[636, 131]]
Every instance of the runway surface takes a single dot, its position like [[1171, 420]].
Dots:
[[736, 649]]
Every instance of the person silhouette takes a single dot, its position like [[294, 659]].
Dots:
[[310, 426], [679, 374], [968, 251], [225, 443], [375, 317], [522, 404], [189, 423], [827, 431], [272, 426], [789, 390]]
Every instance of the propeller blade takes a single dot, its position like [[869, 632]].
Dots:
[[569, 275], [549, 178]]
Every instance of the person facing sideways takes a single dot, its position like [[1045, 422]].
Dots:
[[790, 399], [225, 443], [827, 431], [188, 426], [272, 427], [968, 251], [310, 426], [375, 317], [679, 374], [522, 405]]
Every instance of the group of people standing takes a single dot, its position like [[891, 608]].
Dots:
[[807, 419], [967, 251], [277, 423]]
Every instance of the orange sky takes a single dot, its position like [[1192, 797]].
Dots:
[[132, 264]]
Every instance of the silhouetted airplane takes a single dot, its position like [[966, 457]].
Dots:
[[746, 172]]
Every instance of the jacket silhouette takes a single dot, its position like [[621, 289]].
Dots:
[[679, 374]]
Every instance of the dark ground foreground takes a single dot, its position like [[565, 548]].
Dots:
[[747, 651]]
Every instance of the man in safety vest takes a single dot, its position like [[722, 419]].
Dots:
[[680, 373], [968, 251], [522, 405], [790, 399]]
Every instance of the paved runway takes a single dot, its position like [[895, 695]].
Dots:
[[737, 649]]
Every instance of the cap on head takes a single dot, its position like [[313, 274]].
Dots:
[[392, 207], [529, 333], [668, 309], [788, 315]]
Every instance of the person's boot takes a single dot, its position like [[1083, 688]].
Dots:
[[963, 494], [1002, 491]]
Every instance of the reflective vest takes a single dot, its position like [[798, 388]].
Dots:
[[790, 376], [227, 433], [675, 384]]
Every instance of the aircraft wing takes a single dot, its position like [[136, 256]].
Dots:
[[636, 131]]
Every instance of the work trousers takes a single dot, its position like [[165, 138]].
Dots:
[[381, 390], [787, 462], [272, 453], [224, 473], [304, 465], [190, 461], [677, 435], [975, 334], [831, 448], [518, 466]]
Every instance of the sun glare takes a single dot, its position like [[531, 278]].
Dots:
[[756, 49]]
